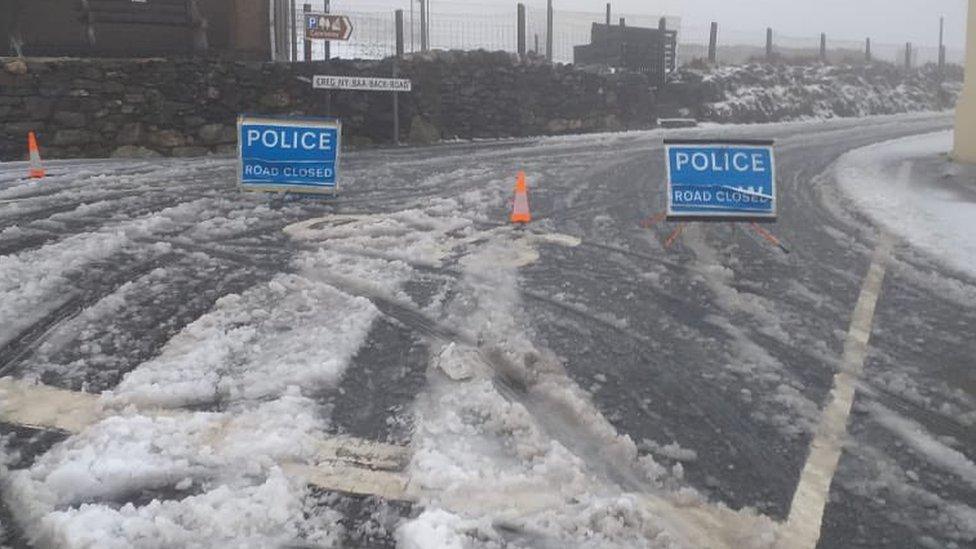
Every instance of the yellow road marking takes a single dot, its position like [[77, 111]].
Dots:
[[803, 526]]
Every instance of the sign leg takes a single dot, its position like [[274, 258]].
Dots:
[[396, 119], [396, 108], [653, 220], [674, 236], [770, 238]]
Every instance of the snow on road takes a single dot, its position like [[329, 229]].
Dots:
[[250, 369], [159, 287]]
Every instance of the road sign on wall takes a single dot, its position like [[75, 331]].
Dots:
[[324, 26], [721, 180], [298, 155], [361, 83]]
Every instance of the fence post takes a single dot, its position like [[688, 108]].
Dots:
[[713, 44], [399, 33], [769, 43], [608, 14], [942, 48], [908, 56], [867, 50], [424, 30], [823, 47], [308, 43], [521, 30], [549, 26]]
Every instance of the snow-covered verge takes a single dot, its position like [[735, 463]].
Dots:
[[932, 205], [758, 93]]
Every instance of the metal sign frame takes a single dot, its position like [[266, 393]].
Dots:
[[317, 32], [294, 186], [716, 214]]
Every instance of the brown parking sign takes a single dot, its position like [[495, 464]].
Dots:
[[323, 26]]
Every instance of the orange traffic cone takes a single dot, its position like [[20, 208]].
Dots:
[[36, 170], [520, 211]]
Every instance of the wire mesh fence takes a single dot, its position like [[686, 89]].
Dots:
[[473, 25], [459, 26]]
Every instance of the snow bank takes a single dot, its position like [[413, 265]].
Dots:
[[759, 93], [923, 212]]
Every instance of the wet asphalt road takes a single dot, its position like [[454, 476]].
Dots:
[[721, 344]]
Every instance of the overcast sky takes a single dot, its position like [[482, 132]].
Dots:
[[885, 21], [895, 21]]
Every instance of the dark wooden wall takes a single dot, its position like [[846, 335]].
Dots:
[[235, 28]]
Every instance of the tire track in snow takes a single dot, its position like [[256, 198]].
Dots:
[[14, 350]]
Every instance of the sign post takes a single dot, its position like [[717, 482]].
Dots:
[[288, 155], [369, 84]]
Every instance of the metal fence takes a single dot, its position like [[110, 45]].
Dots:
[[478, 25], [463, 26]]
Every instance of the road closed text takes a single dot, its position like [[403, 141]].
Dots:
[[263, 170], [747, 196]]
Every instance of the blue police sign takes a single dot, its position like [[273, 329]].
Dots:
[[721, 180], [298, 155]]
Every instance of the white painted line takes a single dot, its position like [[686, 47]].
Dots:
[[338, 477], [803, 526], [343, 464], [47, 408]]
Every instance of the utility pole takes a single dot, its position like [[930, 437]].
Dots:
[[908, 56], [328, 45], [867, 50], [307, 8], [608, 14], [769, 44], [823, 47]]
